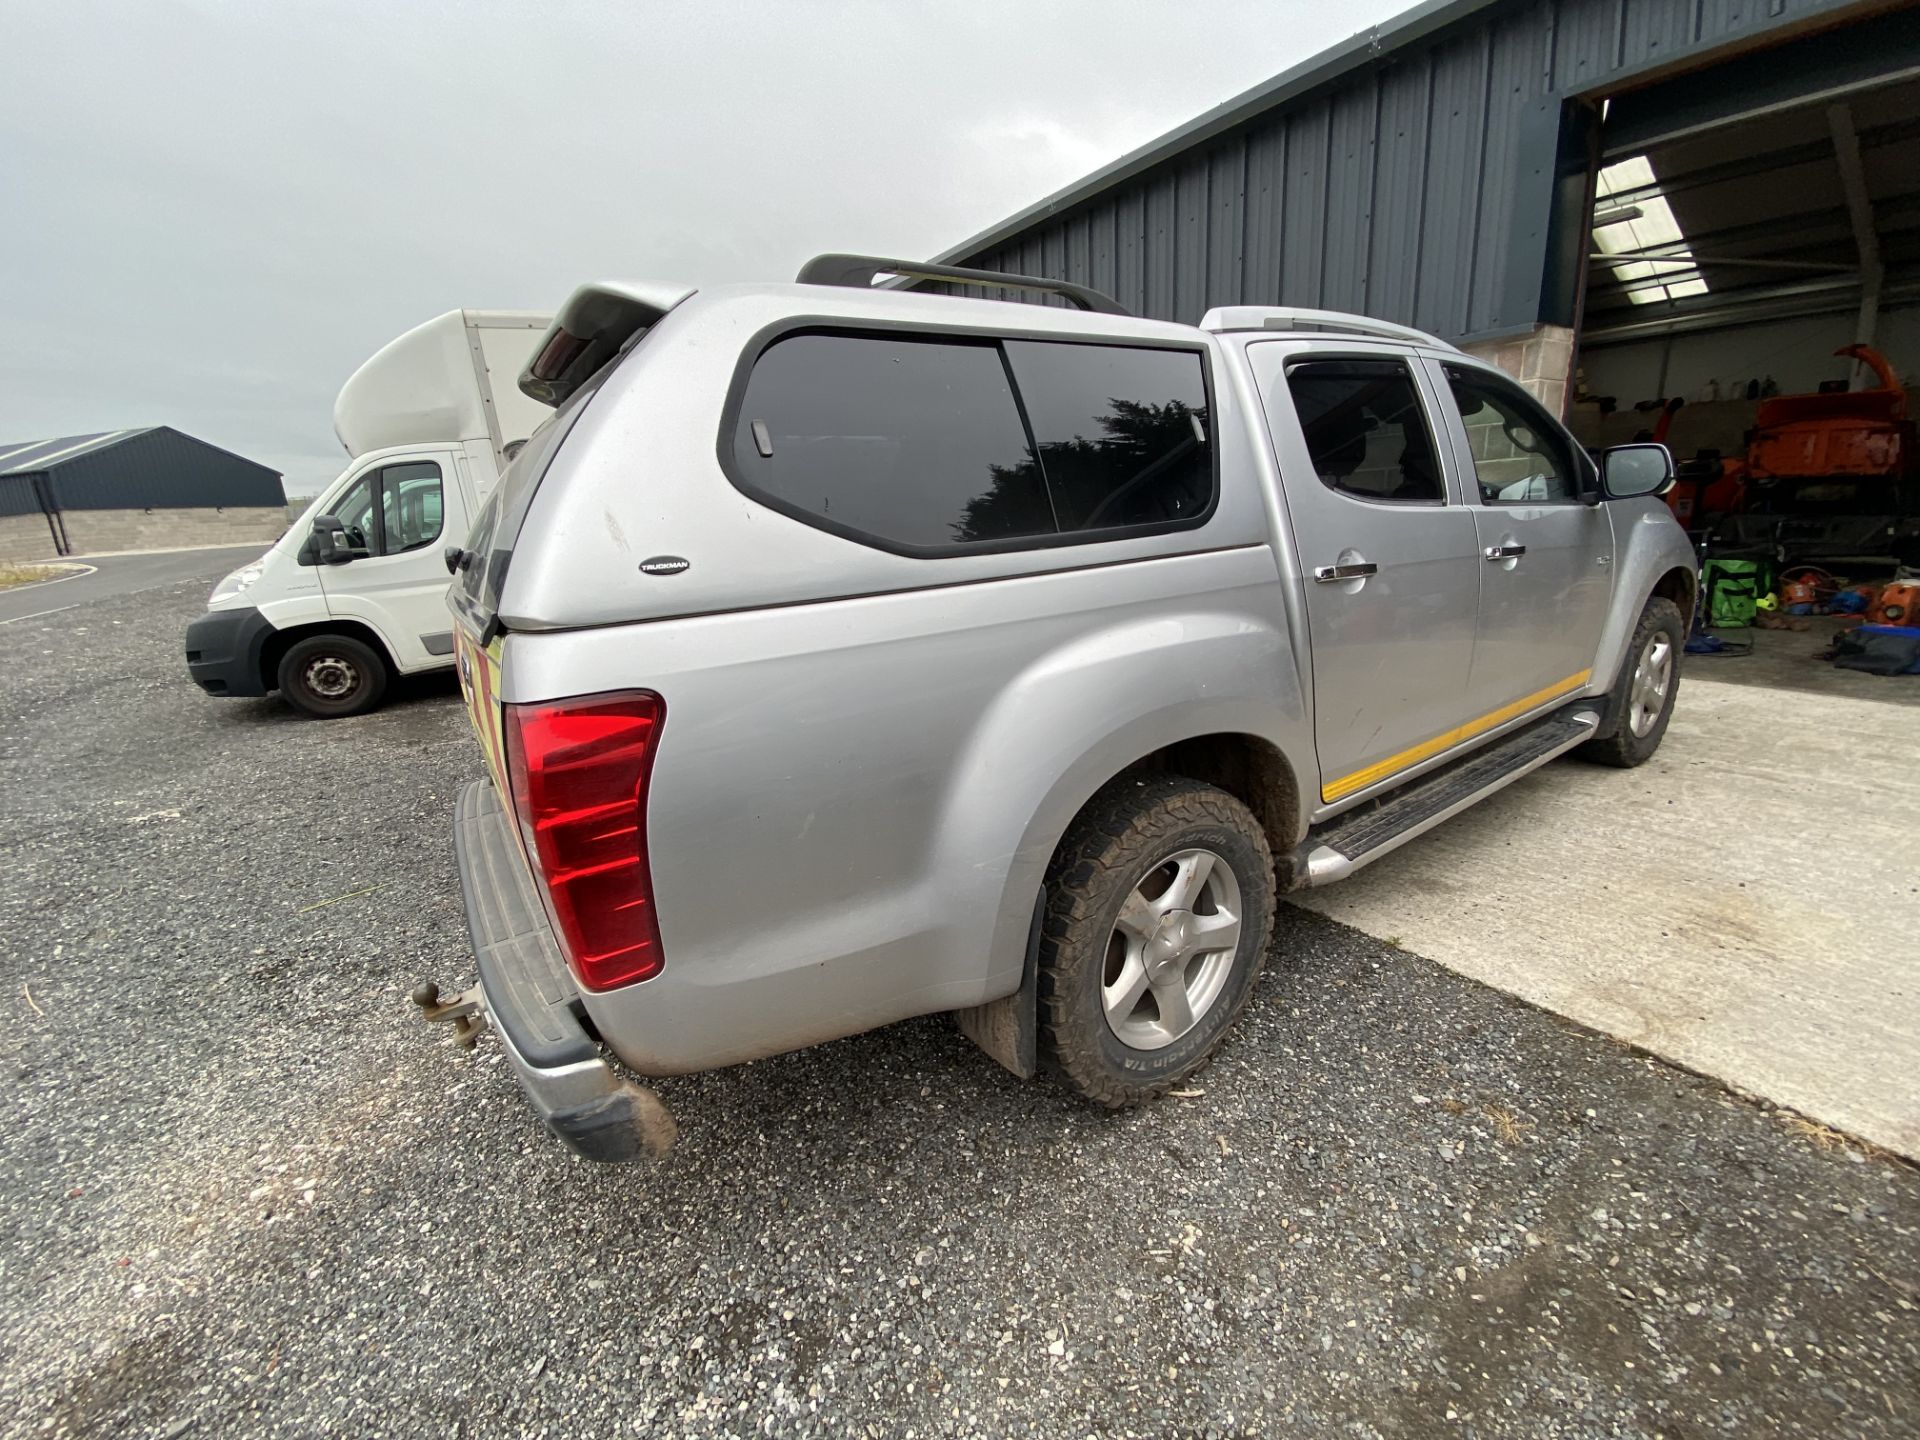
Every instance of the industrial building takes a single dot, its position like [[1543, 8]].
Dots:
[[144, 489], [1625, 203]]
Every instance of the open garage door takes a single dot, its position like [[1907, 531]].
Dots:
[[1750, 221]]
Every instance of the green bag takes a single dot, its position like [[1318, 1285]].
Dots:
[[1733, 593]]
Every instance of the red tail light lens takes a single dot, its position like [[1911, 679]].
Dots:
[[578, 770]]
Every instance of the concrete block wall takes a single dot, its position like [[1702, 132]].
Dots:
[[25, 537], [90, 532], [1542, 362]]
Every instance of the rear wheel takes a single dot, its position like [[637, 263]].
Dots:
[[1159, 906], [328, 676], [1642, 700]]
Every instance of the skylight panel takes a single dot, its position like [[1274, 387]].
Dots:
[[1653, 228]]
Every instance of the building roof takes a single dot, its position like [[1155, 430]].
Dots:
[[1362, 48], [37, 455]]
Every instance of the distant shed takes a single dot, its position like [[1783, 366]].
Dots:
[[140, 489]]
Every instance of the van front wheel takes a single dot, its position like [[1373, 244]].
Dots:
[[1159, 906], [327, 676]]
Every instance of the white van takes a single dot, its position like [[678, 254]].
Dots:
[[355, 591]]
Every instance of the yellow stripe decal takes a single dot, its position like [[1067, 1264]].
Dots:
[[1426, 749]]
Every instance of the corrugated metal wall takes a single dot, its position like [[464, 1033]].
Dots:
[[1409, 188], [18, 496], [162, 468]]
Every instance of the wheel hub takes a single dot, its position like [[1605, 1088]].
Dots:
[[1652, 678], [330, 677], [1172, 948], [1166, 953]]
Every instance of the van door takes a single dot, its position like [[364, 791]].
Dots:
[[1391, 560], [1546, 552], [394, 516]]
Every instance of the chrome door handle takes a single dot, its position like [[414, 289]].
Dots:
[[1327, 574], [1505, 552]]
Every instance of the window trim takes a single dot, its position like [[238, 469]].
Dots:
[[1497, 380], [1421, 398], [793, 326]]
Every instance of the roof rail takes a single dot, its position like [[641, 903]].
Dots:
[[1281, 317], [858, 272]]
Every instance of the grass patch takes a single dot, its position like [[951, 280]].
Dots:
[[16, 575]]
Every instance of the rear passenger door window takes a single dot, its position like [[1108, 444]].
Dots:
[[939, 445], [1366, 431]]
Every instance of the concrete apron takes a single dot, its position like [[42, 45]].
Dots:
[[1746, 904]]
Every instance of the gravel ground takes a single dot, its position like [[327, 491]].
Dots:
[[244, 1192]]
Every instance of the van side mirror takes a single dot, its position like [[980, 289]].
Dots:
[[330, 541], [1628, 472]]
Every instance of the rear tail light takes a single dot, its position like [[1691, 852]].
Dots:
[[578, 771]]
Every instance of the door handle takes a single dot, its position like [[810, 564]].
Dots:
[[1327, 574], [1505, 552]]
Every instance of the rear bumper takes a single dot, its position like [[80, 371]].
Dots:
[[531, 999], [224, 649]]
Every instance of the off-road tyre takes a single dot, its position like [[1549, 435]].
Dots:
[[1621, 747], [1126, 833]]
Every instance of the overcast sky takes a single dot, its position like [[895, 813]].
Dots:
[[214, 212]]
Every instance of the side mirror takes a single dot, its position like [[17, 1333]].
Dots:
[[457, 559], [1628, 472], [330, 541]]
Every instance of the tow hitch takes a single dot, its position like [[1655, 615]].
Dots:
[[464, 1012], [598, 1112]]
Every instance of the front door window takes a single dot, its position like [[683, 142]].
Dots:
[[392, 510], [1519, 455]]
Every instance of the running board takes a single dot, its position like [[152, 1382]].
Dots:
[[1362, 836]]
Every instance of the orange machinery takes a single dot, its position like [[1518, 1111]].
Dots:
[[1847, 432], [1852, 433]]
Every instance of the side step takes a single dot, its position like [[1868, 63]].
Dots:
[[1359, 837]]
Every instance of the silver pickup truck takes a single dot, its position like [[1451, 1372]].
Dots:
[[843, 653]]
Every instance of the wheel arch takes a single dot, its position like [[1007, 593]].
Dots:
[[1680, 585], [1251, 767], [281, 641], [1653, 559]]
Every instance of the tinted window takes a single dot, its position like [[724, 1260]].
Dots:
[[1121, 432], [910, 440], [1365, 429], [1519, 454]]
